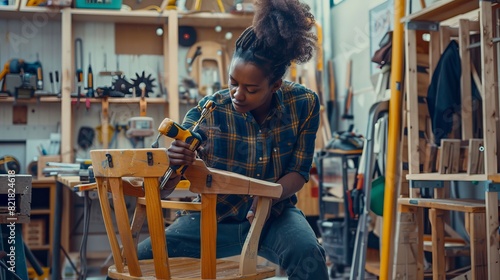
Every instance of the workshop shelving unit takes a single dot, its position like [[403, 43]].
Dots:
[[69, 18], [338, 230], [484, 248], [37, 234], [170, 19]]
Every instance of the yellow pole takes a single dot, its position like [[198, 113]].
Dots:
[[390, 200]]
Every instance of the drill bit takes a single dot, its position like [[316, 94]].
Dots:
[[155, 143]]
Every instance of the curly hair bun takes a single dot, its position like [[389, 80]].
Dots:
[[285, 26]]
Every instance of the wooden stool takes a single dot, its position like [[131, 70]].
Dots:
[[110, 168], [475, 223]]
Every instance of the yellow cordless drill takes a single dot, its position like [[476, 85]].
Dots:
[[174, 130]]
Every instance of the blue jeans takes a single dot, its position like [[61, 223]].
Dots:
[[287, 240]]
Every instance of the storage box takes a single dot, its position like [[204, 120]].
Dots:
[[34, 232], [93, 4]]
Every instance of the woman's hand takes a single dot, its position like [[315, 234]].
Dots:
[[180, 154]]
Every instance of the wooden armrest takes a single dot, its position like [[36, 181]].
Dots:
[[129, 162], [210, 180]]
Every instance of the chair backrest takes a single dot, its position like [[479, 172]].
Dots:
[[113, 165]]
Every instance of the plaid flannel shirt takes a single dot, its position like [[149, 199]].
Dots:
[[283, 143]]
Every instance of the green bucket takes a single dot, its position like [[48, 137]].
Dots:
[[377, 196]]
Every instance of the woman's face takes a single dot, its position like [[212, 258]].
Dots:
[[249, 87]]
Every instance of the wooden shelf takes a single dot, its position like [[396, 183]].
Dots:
[[206, 19], [39, 247], [143, 16], [443, 10], [446, 177], [40, 211], [124, 100], [42, 99]]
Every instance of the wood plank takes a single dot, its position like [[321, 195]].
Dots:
[[465, 80], [492, 235], [430, 158], [248, 261], [224, 182], [156, 229], [66, 86], [189, 268], [488, 88], [412, 101], [449, 156], [437, 231], [475, 163], [129, 162], [442, 10], [434, 52], [138, 221], [445, 34], [123, 224], [479, 260], [171, 54], [490, 114], [102, 189], [409, 259], [447, 177], [208, 236], [460, 205]]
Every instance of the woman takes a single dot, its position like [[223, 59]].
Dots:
[[262, 127]]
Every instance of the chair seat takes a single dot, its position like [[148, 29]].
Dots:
[[189, 268]]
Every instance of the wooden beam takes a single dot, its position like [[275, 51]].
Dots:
[[409, 248], [66, 85], [437, 232], [490, 114], [434, 52], [170, 56], [412, 102], [478, 256], [465, 81], [449, 156], [475, 164]]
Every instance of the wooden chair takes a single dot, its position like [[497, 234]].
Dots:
[[111, 167]]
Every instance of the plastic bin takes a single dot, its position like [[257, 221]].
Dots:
[[93, 4]]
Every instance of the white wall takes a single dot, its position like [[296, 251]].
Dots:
[[349, 37]]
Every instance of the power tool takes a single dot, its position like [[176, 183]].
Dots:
[[174, 130], [17, 66]]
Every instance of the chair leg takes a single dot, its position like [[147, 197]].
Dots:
[[156, 228], [138, 222]]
